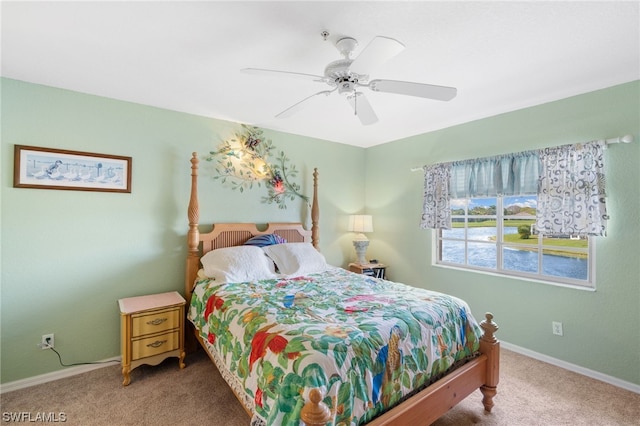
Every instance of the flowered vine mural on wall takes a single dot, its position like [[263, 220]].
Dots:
[[244, 161]]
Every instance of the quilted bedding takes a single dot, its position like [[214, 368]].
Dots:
[[369, 343]]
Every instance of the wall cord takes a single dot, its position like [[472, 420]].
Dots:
[[80, 363]]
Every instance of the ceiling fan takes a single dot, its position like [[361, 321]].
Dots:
[[347, 76]]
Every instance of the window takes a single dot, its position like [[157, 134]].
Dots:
[[498, 234]]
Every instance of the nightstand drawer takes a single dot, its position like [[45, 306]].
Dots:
[[155, 322], [154, 345]]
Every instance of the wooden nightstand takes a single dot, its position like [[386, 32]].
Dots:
[[377, 270], [152, 329]]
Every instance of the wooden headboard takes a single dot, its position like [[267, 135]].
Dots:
[[235, 234]]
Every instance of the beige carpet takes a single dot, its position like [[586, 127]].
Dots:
[[530, 393]]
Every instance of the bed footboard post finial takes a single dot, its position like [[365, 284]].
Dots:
[[490, 346], [315, 212], [315, 412], [489, 327]]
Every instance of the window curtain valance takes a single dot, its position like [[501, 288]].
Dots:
[[511, 174], [568, 180]]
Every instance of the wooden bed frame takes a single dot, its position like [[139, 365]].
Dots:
[[424, 407]]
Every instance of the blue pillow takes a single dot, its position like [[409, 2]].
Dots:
[[265, 240]]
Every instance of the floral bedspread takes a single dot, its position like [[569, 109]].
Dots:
[[367, 342]]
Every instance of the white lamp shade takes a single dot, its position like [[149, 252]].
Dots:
[[360, 223]]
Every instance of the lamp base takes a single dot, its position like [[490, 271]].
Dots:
[[361, 250]]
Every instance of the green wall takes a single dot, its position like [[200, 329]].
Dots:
[[68, 256], [601, 327]]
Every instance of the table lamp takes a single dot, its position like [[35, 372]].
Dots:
[[361, 223]]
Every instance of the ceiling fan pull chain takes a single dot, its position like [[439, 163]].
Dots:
[[355, 103]]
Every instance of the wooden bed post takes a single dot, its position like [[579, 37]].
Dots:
[[193, 236], [315, 412], [193, 248], [490, 346], [315, 212]]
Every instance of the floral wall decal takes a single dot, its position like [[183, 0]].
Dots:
[[244, 161]]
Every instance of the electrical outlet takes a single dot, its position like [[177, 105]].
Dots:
[[47, 341], [557, 328]]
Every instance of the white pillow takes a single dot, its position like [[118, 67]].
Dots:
[[238, 264], [295, 259]]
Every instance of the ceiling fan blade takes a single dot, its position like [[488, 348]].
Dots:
[[261, 71], [440, 93], [362, 108], [378, 51], [298, 106]]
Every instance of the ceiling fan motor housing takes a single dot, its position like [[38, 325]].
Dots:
[[338, 73]]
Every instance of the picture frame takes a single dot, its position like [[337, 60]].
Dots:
[[49, 168]]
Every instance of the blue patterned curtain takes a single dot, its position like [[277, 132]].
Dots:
[[436, 206], [511, 174], [571, 192]]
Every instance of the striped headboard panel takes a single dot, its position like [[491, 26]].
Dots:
[[236, 234]]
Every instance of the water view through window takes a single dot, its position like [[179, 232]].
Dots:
[[499, 234], [484, 255]]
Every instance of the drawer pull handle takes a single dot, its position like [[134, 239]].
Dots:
[[156, 344], [157, 321]]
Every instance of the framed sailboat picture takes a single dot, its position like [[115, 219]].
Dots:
[[47, 168]]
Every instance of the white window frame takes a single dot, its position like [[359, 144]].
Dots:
[[588, 284]]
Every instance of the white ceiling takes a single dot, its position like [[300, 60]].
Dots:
[[187, 56]]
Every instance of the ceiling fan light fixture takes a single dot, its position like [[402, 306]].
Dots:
[[346, 85]]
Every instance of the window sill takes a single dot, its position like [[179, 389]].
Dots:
[[591, 286]]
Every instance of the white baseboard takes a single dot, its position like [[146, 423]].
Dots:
[[572, 367], [55, 375]]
